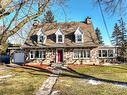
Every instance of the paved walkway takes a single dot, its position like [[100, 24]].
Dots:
[[47, 86]]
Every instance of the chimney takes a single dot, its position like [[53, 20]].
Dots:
[[88, 20]]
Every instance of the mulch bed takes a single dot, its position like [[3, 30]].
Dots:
[[40, 66]]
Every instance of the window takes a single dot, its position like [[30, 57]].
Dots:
[[81, 54], [37, 54], [88, 53], [60, 38], [79, 38], [110, 53], [105, 53], [43, 54], [31, 54], [99, 53], [41, 39], [79, 34]]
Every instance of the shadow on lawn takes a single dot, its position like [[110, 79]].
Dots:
[[33, 68], [120, 67], [75, 74]]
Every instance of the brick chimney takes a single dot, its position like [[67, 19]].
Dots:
[[88, 20]]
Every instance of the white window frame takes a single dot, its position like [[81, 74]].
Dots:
[[77, 33], [42, 55], [112, 53], [40, 33], [59, 32], [44, 38], [76, 38], [33, 54], [57, 39], [107, 53], [79, 54]]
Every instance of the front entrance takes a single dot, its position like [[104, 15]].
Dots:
[[59, 55]]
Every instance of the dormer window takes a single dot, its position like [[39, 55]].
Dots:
[[79, 38], [41, 37], [59, 36], [79, 35]]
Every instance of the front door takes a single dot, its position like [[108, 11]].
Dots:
[[59, 56]]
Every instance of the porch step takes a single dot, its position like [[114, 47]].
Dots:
[[56, 65]]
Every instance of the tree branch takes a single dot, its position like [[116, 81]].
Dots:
[[22, 23]]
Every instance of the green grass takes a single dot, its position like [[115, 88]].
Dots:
[[115, 72], [25, 81], [68, 85], [73, 86]]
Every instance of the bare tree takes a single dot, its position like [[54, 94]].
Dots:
[[15, 14], [114, 6]]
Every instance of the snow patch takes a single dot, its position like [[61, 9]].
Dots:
[[121, 85], [94, 82]]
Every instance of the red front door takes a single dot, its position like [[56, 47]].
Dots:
[[60, 56]]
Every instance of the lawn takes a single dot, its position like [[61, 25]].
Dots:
[[69, 85], [26, 81], [114, 72]]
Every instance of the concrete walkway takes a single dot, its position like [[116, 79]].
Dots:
[[46, 88]]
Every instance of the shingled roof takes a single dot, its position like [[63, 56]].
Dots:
[[90, 38]]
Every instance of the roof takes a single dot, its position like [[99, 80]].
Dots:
[[108, 46], [90, 38]]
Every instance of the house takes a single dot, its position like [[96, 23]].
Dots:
[[68, 43]]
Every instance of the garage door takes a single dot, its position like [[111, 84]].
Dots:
[[19, 58]]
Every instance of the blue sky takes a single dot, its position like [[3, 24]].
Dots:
[[78, 10]]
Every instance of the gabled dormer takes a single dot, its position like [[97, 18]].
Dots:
[[41, 37], [79, 35], [59, 36]]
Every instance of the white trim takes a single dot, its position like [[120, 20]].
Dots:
[[83, 54], [31, 54], [107, 53], [59, 32], [57, 39], [39, 34], [44, 38], [34, 54], [57, 54], [79, 32], [76, 38]]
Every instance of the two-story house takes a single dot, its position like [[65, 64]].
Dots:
[[68, 43]]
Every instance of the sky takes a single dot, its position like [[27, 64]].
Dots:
[[78, 10]]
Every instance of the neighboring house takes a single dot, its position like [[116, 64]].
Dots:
[[68, 43]]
